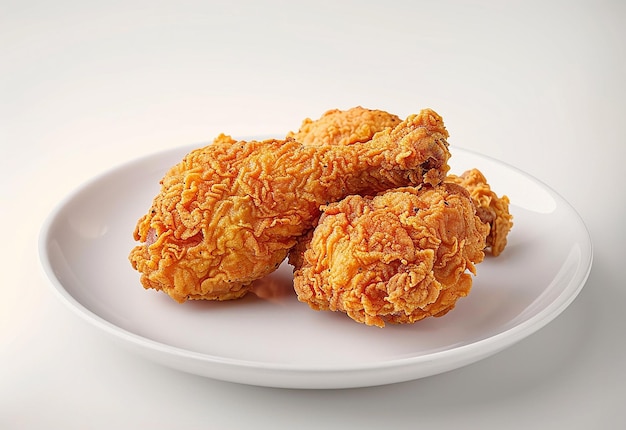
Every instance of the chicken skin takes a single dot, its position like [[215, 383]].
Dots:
[[397, 257], [344, 127], [490, 208], [229, 213]]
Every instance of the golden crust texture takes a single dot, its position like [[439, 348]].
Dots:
[[337, 127], [397, 257], [344, 127], [490, 208], [229, 213]]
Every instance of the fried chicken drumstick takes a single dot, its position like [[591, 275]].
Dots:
[[346, 127], [229, 213], [398, 257]]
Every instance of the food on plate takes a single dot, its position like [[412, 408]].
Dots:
[[490, 208], [397, 257], [229, 212], [344, 127]]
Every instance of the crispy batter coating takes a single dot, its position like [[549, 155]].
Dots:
[[344, 127], [490, 208], [228, 213], [337, 127], [397, 257]]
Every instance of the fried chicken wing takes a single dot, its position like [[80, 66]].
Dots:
[[490, 208], [397, 257], [344, 127], [229, 213]]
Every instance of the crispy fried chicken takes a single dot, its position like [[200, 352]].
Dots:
[[397, 257], [229, 213], [490, 208]]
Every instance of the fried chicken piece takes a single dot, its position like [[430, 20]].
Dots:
[[228, 213], [397, 257], [490, 208], [337, 127], [344, 127]]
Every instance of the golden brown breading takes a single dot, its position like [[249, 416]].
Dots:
[[397, 257], [344, 127], [337, 127], [228, 213], [490, 208]]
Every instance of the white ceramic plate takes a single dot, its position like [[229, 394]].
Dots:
[[271, 339]]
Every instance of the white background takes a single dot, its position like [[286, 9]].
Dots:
[[85, 86]]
